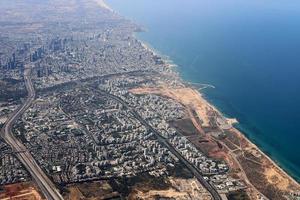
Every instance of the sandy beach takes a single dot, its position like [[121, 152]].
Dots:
[[189, 97], [282, 172], [103, 4], [193, 99]]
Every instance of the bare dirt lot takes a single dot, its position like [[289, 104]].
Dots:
[[20, 191], [97, 190]]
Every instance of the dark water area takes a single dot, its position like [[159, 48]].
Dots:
[[249, 50]]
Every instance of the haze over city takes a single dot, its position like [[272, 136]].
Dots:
[[140, 99]]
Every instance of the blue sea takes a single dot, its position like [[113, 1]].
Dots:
[[249, 50]]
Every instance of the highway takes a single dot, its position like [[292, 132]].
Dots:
[[44, 183], [41, 179], [191, 167]]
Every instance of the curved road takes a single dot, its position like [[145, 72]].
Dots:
[[45, 184]]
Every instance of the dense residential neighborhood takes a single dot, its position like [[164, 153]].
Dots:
[[70, 112]]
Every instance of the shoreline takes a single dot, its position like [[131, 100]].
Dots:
[[193, 100], [232, 121], [148, 47], [242, 133], [269, 159], [104, 5], [294, 179]]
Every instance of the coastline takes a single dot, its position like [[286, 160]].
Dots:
[[233, 121], [268, 169], [104, 5], [229, 120], [168, 62], [242, 133], [269, 159]]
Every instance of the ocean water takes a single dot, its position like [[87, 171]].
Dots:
[[249, 50]]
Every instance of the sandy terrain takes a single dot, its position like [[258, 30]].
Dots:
[[103, 4], [97, 190], [181, 189], [3, 120], [20, 191], [187, 96], [274, 177], [271, 175]]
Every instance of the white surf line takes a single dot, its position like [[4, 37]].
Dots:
[[103, 5]]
